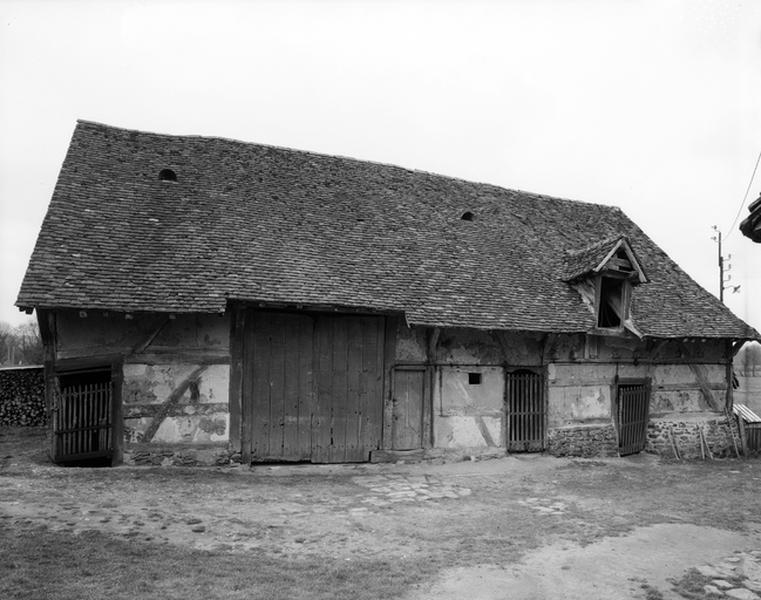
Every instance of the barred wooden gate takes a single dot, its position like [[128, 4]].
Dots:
[[83, 417], [633, 402], [526, 411]]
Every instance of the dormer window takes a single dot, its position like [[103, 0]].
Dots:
[[604, 275]]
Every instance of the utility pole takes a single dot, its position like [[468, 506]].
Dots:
[[722, 268]]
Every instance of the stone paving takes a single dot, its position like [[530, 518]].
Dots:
[[545, 506], [391, 488], [737, 576]]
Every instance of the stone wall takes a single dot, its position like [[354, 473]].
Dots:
[[179, 455], [685, 432], [583, 440], [22, 397]]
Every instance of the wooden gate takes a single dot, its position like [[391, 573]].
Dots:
[[312, 386], [633, 400], [83, 417], [526, 411]]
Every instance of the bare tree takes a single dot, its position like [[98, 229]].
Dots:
[[20, 345]]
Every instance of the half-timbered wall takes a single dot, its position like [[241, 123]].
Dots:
[[442, 388], [687, 385], [175, 373]]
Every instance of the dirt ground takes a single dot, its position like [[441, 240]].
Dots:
[[523, 526]]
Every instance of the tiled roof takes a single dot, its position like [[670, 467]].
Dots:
[[260, 223]]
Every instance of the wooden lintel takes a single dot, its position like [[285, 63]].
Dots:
[[167, 358]]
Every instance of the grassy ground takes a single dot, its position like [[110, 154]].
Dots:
[[361, 532]]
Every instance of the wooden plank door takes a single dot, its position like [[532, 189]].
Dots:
[[633, 403], [83, 416], [526, 411], [407, 412], [349, 388], [312, 386], [278, 385]]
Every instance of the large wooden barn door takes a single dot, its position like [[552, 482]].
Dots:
[[83, 416], [313, 386], [633, 402], [526, 410]]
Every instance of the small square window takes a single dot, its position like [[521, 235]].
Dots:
[[474, 378]]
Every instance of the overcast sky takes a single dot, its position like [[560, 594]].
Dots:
[[653, 106]]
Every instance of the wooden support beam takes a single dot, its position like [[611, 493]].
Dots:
[[657, 349], [549, 349], [430, 386], [433, 342], [173, 399], [702, 380], [142, 346]]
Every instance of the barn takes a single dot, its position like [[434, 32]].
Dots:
[[203, 300]]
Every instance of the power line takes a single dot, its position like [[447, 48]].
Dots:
[[745, 197]]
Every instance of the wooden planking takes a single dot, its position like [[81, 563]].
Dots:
[[237, 335], [407, 419], [313, 385], [276, 386], [375, 378], [354, 378], [321, 424], [339, 401]]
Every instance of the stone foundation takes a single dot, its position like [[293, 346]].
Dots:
[[583, 440], [178, 455], [686, 435]]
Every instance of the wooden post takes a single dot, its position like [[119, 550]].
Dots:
[[743, 435], [731, 432], [674, 447]]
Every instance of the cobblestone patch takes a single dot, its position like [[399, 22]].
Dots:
[[545, 506], [391, 488], [736, 576]]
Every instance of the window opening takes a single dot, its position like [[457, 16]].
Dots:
[[474, 378], [610, 313], [467, 216], [167, 175]]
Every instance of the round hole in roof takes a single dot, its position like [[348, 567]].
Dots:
[[467, 216], [167, 175]]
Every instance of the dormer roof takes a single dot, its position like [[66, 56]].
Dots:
[[614, 255]]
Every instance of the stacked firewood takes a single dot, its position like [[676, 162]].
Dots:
[[22, 397]]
